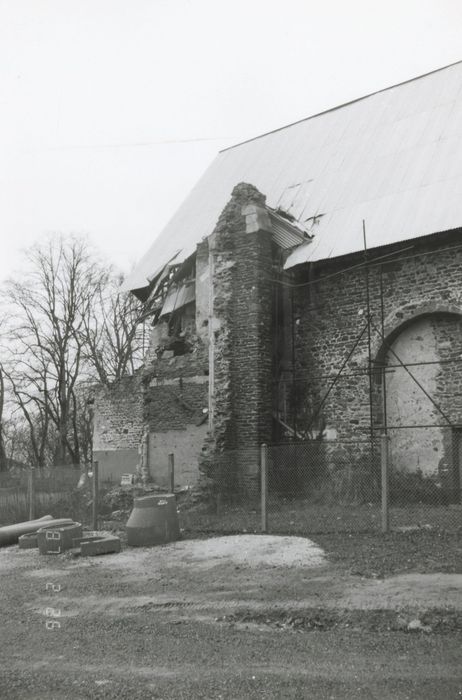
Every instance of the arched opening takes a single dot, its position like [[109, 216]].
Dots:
[[420, 369]]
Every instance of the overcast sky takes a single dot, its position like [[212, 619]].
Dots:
[[110, 110]]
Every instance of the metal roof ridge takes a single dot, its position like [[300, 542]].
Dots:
[[340, 106]]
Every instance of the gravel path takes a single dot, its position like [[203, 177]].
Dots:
[[169, 622]]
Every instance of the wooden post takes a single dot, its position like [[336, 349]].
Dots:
[[95, 496], [171, 472], [385, 484], [31, 489], [264, 487]]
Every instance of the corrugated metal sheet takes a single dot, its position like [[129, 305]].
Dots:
[[393, 158], [178, 297], [284, 233]]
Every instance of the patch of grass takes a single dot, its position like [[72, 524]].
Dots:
[[376, 556], [228, 519], [323, 620], [302, 517]]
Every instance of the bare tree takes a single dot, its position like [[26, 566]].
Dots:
[[48, 308], [68, 326], [114, 345], [35, 417], [16, 439], [3, 460]]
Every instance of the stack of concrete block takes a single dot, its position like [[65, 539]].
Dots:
[[55, 540]]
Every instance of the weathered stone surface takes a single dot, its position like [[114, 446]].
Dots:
[[260, 340], [242, 343], [422, 320], [118, 422]]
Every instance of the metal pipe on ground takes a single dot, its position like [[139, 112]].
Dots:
[[10, 534]]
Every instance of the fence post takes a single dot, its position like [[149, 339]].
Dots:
[[31, 490], [385, 483], [95, 495], [171, 472], [264, 487]]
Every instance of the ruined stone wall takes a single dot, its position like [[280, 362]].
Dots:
[[330, 316], [175, 411], [157, 335], [118, 427], [253, 338], [237, 310], [241, 354], [169, 398], [186, 447]]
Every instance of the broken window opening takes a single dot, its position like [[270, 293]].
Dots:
[[180, 326]]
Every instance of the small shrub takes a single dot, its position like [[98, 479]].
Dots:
[[118, 498]]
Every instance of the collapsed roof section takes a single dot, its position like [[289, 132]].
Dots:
[[172, 287], [178, 296], [393, 158]]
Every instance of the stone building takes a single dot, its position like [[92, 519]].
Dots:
[[308, 288]]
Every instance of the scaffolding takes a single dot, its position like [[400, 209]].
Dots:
[[287, 414]]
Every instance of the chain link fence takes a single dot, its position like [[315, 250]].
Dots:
[[228, 498], [424, 479], [366, 485], [321, 486], [298, 487], [61, 491]]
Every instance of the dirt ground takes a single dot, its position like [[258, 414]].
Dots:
[[232, 617]]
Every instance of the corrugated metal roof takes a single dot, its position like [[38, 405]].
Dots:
[[284, 233], [393, 158]]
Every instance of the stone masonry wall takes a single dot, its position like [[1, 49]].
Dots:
[[331, 315], [242, 340], [118, 422], [171, 396], [175, 405], [167, 398], [175, 410], [118, 427], [251, 368]]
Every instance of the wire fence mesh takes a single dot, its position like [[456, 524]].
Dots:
[[26, 494], [229, 498], [312, 487], [329, 486], [424, 478], [319, 486]]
